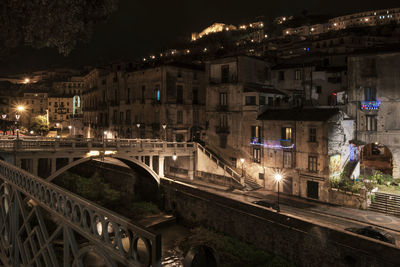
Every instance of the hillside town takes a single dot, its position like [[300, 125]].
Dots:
[[310, 97]]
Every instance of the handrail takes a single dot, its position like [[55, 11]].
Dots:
[[86, 218], [235, 176]]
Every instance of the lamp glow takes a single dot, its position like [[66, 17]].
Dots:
[[277, 177], [174, 157]]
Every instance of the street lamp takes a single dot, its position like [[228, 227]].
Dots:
[[4, 116], [164, 126], [69, 127], [138, 131], [17, 116], [278, 178], [174, 157]]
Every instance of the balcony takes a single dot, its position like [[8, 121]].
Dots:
[[222, 129], [256, 141], [286, 143], [223, 108]]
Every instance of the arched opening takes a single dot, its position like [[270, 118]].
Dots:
[[121, 184], [376, 157]]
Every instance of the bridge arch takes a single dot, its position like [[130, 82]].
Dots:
[[124, 159]]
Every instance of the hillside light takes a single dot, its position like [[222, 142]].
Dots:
[[278, 177]]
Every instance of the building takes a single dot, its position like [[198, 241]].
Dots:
[[374, 96], [136, 104], [34, 104], [60, 111], [238, 88], [307, 146]]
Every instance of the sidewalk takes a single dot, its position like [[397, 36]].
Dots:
[[326, 214]]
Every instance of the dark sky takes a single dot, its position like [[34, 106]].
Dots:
[[141, 27]]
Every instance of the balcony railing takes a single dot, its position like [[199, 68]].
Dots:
[[286, 142], [222, 130], [222, 108], [370, 105], [256, 141]]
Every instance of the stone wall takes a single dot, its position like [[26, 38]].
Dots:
[[301, 242], [348, 199]]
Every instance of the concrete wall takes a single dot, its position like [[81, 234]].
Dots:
[[301, 242], [348, 199]]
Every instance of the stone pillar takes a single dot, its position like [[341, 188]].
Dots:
[[70, 160], [151, 162], [192, 165], [18, 162], [161, 166], [53, 165], [35, 163]]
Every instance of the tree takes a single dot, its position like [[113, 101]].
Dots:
[[50, 23], [39, 124]]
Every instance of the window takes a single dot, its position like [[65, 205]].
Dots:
[[115, 117], [277, 101], [250, 100], [195, 95], [370, 94], [143, 92], [287, 159], [297, 75], [256, 154], [121, 117], [223, 121], [312, 135], [371, 123], [319, 89], [225, 73], [157, 94], [195, 76], [312, 163], [195, 117], [262, 100], [223, 99], [179, 94], [281, 75], [179, 116], [270, 101], [255, 132], [128, 116], [286, 133], [179, 73]]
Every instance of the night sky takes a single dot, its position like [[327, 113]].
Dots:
[[139, 28]]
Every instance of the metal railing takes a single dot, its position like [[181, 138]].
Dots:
[[80, 227], [113, 144]]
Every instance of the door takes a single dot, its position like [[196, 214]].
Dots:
[[312, 189], [287, 185]]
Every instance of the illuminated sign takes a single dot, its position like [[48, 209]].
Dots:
[[370, 105]]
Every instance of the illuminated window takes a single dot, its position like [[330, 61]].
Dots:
[[256, 154], [223, 99], [286, 133]]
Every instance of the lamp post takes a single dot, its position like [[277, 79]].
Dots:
[[164, 126], [138, 131], [278, 178], [4, 116], [17, 116], [174, 157], [242, 161], [70, 127]]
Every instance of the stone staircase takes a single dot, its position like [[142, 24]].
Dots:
[[386, 203], [249, 183]]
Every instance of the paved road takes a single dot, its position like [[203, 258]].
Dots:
[[323, 214]]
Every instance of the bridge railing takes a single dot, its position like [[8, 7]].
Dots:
[[80, 227], [113, 144]]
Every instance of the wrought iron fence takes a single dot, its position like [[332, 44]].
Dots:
[[42, 224]]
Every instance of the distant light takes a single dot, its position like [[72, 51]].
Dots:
[[94, 153], [153, 57], [31, 132], [58, 136], [174, 157], [205, 49], [144, 59], [187, 51], [105, 132], [227, 29], [252, 40], [108, 152], [284, 18], [69, 127], [262, 24], [287, 32], [266, 36], [27, 80]]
